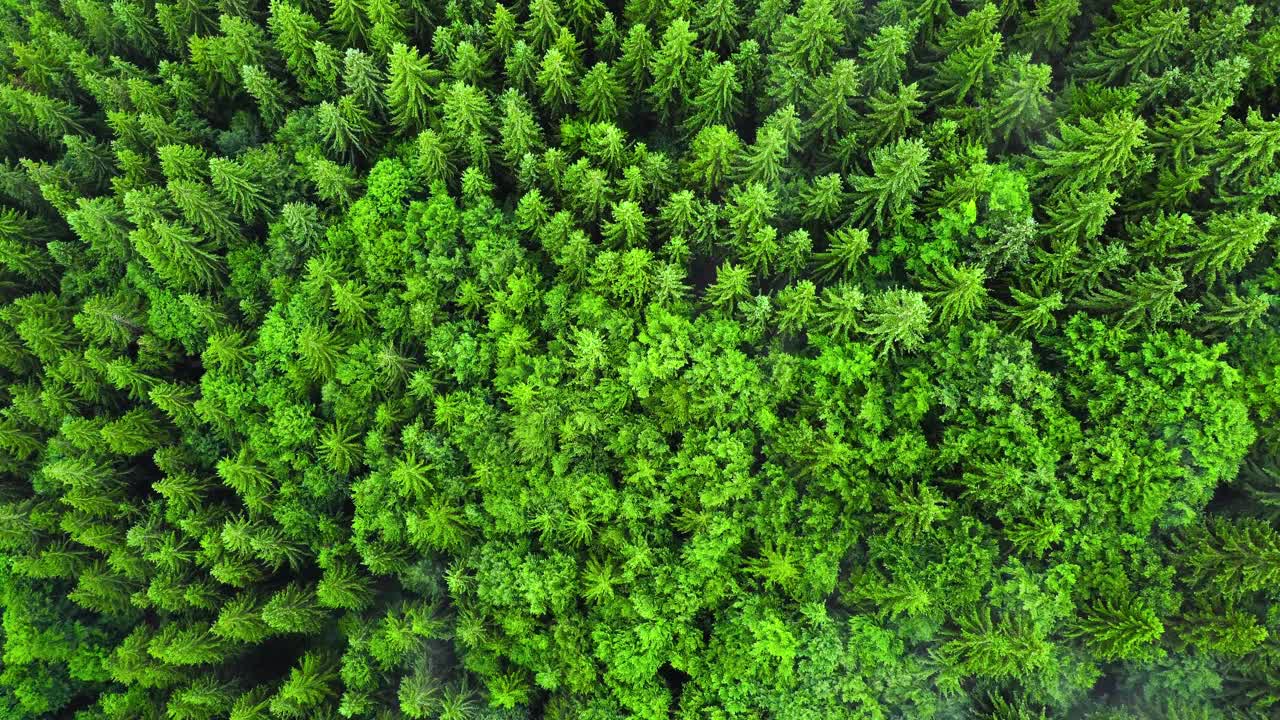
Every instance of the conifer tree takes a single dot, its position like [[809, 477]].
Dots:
[[1139, 47], [1021, 103], [896, 320], [556, 80], [809, 38], [308, 687], [719, 22], [1120, 631], [958, 292], [883, 56], [1249, 147], [1048, 25], [600, 95], [897, 174], [1151, 296], [717, 100], [1093, 151], [714, 154], [410, 87], [672, 68]]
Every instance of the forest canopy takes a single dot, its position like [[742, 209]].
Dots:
[[639, 359]]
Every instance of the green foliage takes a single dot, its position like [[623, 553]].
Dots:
[[569, 358]]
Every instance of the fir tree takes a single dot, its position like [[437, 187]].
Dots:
[[896, 320], [898, 173], [1119, 631], [410, 87]]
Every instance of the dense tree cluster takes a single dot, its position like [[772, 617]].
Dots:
[[715, 360]]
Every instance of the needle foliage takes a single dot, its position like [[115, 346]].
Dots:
[[652, 359]]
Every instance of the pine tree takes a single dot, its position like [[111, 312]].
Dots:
[[1234, 311], [1080, 216], [718, 99], [543, 24], [521, 134], [600, 95], [1249, 149], [898, 173], [1185, 133], [1227, 243], [441, 526], [967, 68], [1092, 152], [46, 117], [175, 400], [294, 609], [1021, 97], [203, 698], [957, 292], [891, 117], [203, 210], [343, 587], [333, 182], [555, 81], [318, 351], [896, 320], [139, 27], [390, 25], [1230, 633], [344, 127], [1150, 297], [845, 249], [760, 250], [1032, 310], [183, 162], [732, 285], [636, 63], [798, 306], [883, 57], [178, 255], [249, 480], [583, 15], [135, 432], [294, 33], [718, 21], [841, 310], [829, 101], [824, 199], [235, 183], [410, 88], [364, 82], [714, 151], [808, 39], [1049, 25], [1235, 556], [765, 160], [419, 694], [22, 257], [1119, 631], [521, 67], [348, 21], [339, 449], [192, 645], [309, 686], [608, 37], [240, 619], [628, 228], [1129, 50], [751, 208], [672, 68]]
